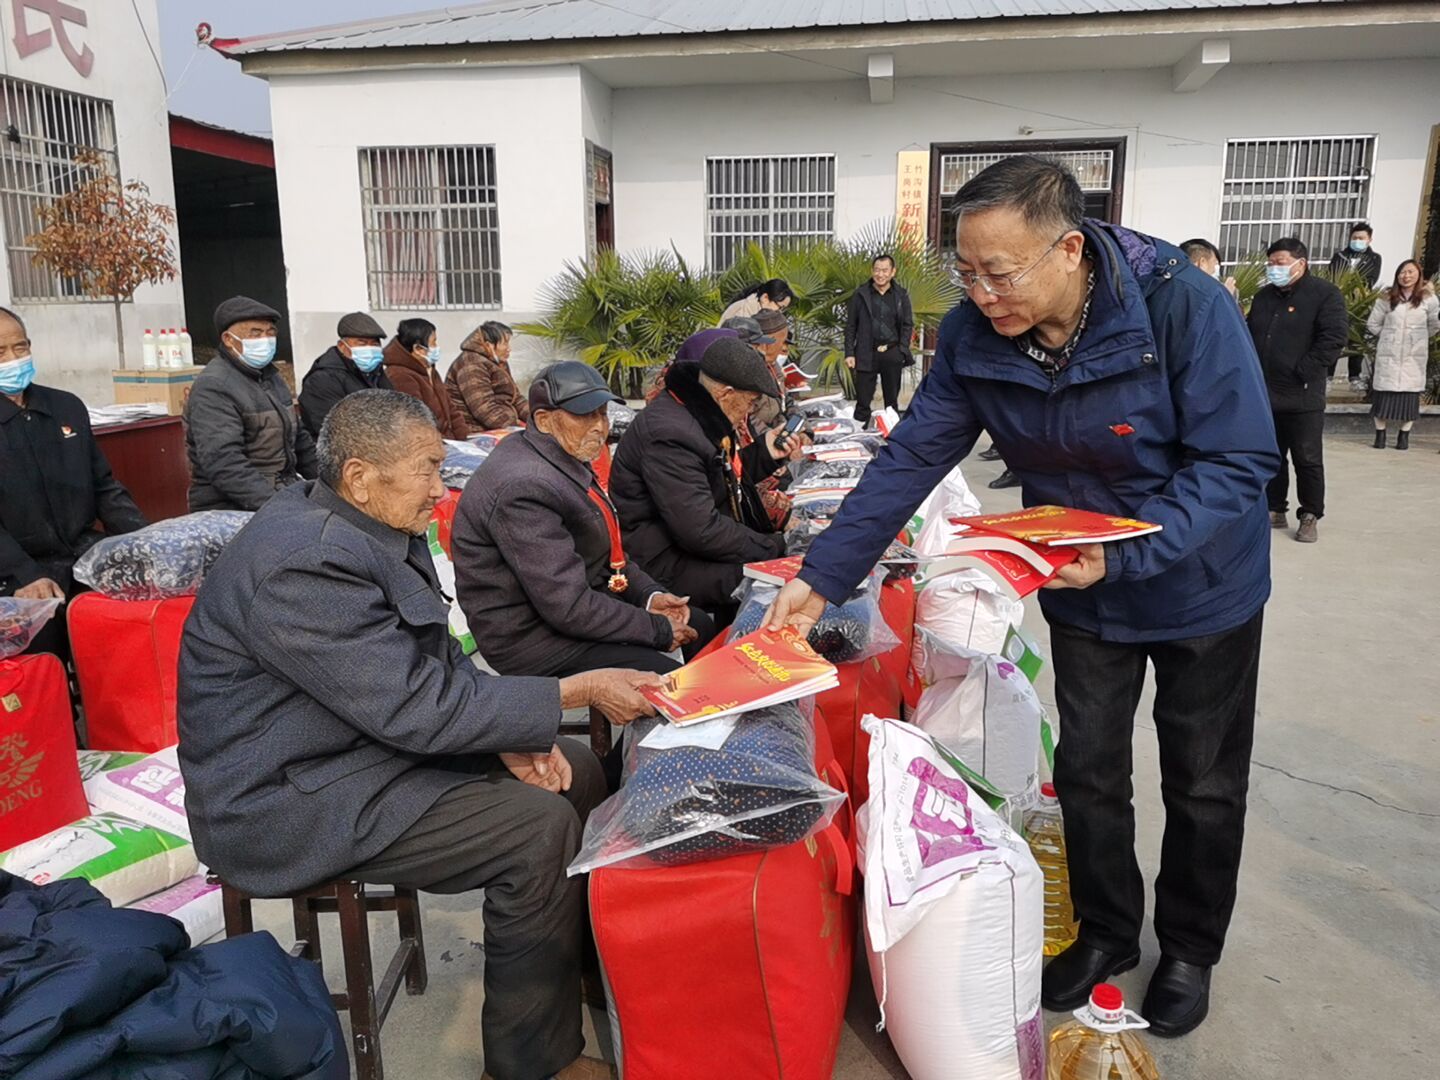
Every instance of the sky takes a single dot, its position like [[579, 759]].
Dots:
[[206, 86]]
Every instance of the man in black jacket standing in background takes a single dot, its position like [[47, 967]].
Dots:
[[1300, 326], [878, 330], [1360, 257]]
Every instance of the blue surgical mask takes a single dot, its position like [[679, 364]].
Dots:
[[17, 375], [257, 352], [433, 354], [367, 357], [1359, 245], [1279, 276]]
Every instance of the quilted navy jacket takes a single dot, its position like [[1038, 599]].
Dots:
[[88, 991], [1161, 415]]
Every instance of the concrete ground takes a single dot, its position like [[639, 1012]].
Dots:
[[1333, 966]]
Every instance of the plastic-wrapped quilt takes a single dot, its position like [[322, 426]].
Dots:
[[621, 417], [462, 458], [169, 558], [20, 621], [754, 790], [845, 633]]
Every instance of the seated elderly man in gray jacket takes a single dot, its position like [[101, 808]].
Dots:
[[330, 727]]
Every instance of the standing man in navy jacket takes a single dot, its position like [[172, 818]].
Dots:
[[1113, 376]]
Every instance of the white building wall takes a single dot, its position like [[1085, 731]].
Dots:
[[1175, 151], [532, 116], [74, 343]]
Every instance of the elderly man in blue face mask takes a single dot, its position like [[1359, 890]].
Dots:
[[354, 362], [241, 433]]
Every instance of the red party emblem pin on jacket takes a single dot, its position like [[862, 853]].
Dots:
[[1122, 429]]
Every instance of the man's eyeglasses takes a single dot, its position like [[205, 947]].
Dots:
[[1002, 284]]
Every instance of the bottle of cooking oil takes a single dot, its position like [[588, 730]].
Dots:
[[1101, 1042], [1046, 832]]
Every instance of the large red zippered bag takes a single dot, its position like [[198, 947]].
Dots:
[[127, 659], [40, 788], [733, 967]]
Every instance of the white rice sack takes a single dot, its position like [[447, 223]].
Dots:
[[968, 608], [122, 858], [983, 709], [953, 918], [195, 903], [952, 497], [150, 791], [94, 762]]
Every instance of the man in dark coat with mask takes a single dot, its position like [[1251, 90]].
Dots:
[[354, 362]]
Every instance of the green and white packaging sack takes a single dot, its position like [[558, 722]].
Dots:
[[445, 572], [151, 791], [953, 917], [984, 710], [124, 859], [195, 903], [94, 762], [967, 608]]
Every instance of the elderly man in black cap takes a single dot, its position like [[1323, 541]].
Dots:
[[540, 564], [241, 433], [685, 487], [353, 363]]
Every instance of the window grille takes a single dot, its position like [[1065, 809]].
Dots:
[[1093, 168], [41, 132], [767, 200], [432, 228], [1313, 188]]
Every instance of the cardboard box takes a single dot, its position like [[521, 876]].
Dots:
[[169, 386]]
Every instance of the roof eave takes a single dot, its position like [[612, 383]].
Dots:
[[527, 53]]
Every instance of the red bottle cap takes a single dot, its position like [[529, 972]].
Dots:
[[1048, 790], [1107, 998]]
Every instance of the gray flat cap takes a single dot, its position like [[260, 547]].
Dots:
[[748, 329], [240, 308], [732, 362], [359, 325]]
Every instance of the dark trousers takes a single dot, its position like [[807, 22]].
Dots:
[[1301, 436], [604, 654], [514, 841], [1205, 722], [888, 374], [1355, 364]]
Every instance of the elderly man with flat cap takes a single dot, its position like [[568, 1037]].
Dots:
[[685, 487], [354, 362], [242, 436], [330, 727], [540, 563]]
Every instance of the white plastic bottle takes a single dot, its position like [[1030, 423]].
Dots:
[[169, 349], [187, 350], [149, 354]]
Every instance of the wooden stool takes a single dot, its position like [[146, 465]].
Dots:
[[597, 727], [367, 1004]]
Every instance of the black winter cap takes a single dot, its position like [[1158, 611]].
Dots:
[[240, 308], [732, 362]]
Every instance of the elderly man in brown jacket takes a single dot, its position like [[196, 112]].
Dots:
[[480, 385]]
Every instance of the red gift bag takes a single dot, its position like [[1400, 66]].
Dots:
[[735, 967], [127, 657], [444, 516], [40, 787]]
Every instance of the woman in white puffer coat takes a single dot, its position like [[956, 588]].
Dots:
[[1404, 319]]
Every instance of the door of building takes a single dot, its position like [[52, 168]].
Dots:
[[600, 166], [1099, 165]]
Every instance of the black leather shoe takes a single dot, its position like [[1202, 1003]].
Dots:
[[1005, 479], [1067, 980], [1178, 999], [991, 454]]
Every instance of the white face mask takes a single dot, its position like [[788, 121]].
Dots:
[[1215, 273]]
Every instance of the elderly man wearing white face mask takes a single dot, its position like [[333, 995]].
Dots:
[[352, 363], [242, 436]]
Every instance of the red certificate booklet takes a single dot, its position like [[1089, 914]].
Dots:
[[1052, 525], [752, 672]]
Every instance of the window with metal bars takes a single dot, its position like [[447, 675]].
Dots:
[[1314, 188], [41, 132], [432, 227], [1093, 168], [770, 201]]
